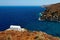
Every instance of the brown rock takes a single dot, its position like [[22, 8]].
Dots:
[[52, 13], [25, 35]]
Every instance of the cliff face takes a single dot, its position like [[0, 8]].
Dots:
[[25, 35], [52, 13]]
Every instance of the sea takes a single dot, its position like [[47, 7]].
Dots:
[[27, 17]]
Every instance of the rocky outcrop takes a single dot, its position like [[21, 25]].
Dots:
[[52, 13], [25, 35]]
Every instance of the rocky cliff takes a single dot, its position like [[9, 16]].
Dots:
[[25, 35], [52, 13]]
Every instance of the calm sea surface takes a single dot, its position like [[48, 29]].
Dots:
[[26, 17]]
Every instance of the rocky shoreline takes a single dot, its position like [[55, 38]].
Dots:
[[52, 13], [25, 35]]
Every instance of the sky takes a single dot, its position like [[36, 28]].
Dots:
[[27, 2]]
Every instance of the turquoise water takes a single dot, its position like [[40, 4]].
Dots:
[[52, 28]]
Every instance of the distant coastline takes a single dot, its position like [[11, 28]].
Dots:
[[52, 13]]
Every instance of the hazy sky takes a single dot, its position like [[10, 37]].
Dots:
[[27, 2]]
